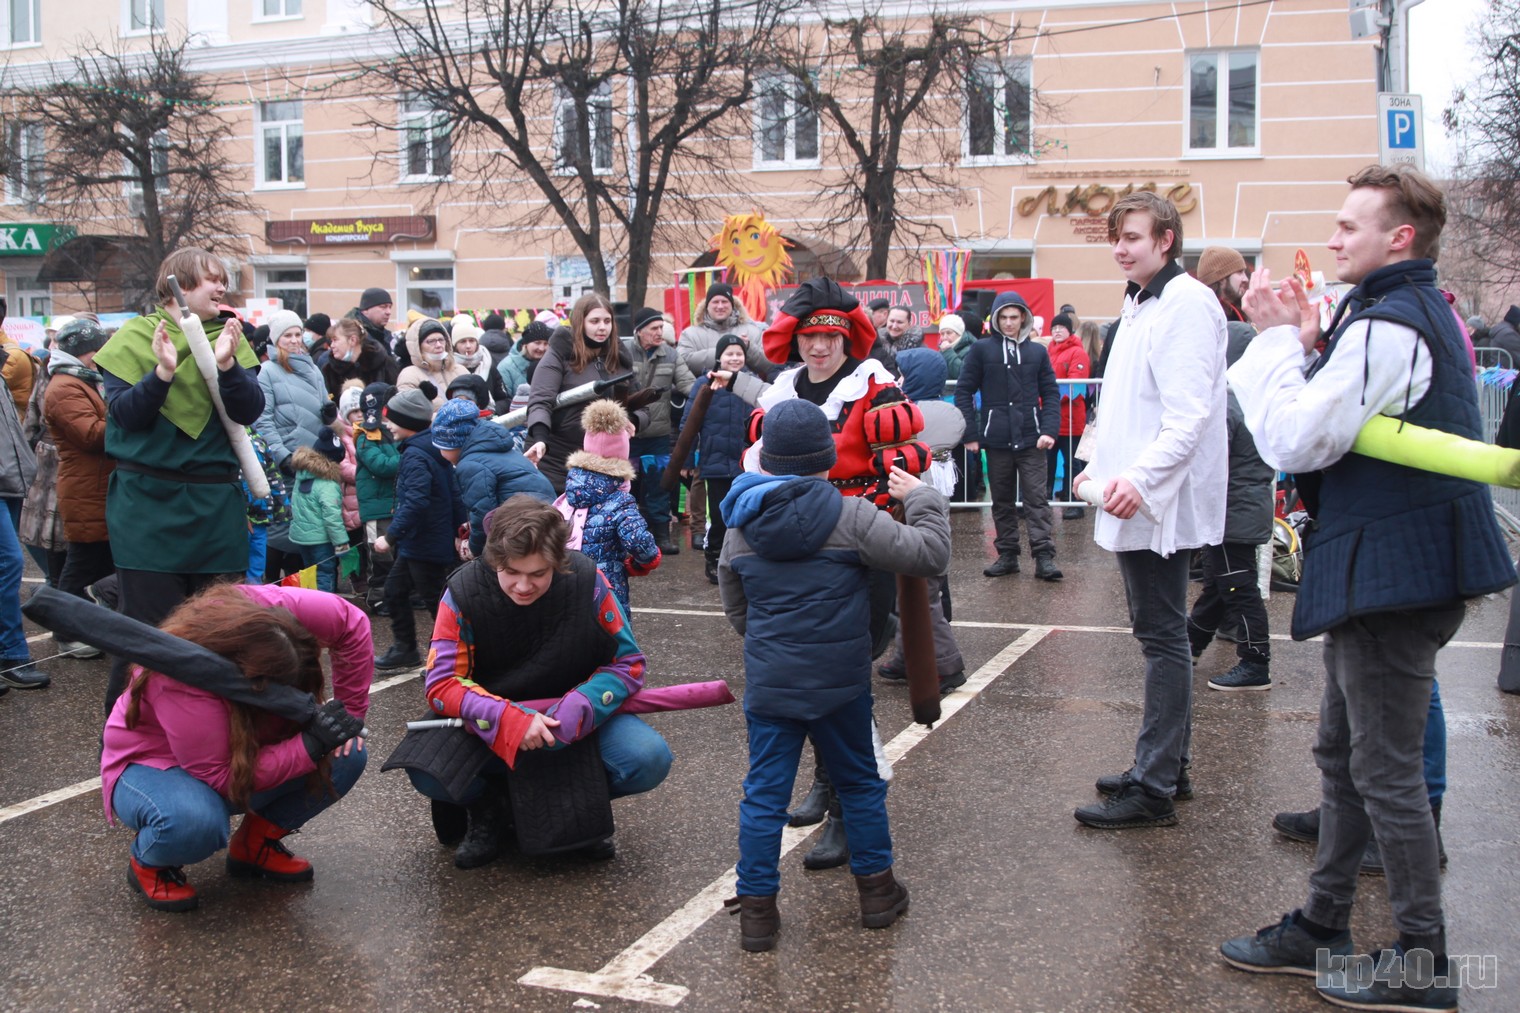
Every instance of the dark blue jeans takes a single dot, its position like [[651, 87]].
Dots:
[[843, 741], [181, 820], [13, 647], [326, 563]]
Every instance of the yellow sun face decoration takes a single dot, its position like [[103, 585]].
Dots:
[[753, 250]]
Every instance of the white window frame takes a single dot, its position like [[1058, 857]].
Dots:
[[8, 37], [24, 291], [27, 141], [133, 186], [766, 87], [283, 131], [135, 14], [1006, 69], [432, 120], [285, 14], [599, 134], [262, 282], [1220, 58], [423, 260]]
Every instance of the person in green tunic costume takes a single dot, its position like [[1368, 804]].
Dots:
[[174, 504]]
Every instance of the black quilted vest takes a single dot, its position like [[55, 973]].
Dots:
[[535, 651]]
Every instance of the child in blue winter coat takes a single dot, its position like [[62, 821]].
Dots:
[[794, 577], [605, 522], [490, 469]]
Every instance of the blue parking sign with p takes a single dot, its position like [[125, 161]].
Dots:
[[1402, 132]]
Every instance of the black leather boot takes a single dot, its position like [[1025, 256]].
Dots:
[[832, 849], [882, 899], [490, 823], [450, 822], [663, 540], [815, 806], [759, 923]]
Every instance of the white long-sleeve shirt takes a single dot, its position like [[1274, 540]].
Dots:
[[1303, 424], [1162, 421]]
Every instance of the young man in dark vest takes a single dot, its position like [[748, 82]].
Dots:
[[1393, 556]]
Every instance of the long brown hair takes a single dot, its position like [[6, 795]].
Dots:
[[583, 351], [268, 645]]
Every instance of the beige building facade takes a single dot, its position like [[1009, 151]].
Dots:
[[1249, 115]]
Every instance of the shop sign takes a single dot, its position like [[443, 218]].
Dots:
[[1097, 199], [31, 239], [343, 231]]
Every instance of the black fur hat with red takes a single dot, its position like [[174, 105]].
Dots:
[[820, 304]]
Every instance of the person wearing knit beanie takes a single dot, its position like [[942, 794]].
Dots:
[[727, 341], [1225, 271], [375, 297], [454, 422], [316, 506], [602, 512], [798, 440], [349, 402], [412, 409], [281, 321]]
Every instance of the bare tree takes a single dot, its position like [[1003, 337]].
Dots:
[[1484, 120], [889, 88], [136, 149], [579, 112]]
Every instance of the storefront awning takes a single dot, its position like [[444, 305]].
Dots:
[[87, 259]]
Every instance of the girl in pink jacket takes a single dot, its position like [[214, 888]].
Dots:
[[178, 761]]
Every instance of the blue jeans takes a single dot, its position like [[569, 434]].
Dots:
[[1156, 587], [635, 755], [326, 563], [13, 645], [843, 741], [181, 820], [1371, 752]]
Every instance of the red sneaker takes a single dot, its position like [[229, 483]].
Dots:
[[163, 888], [255, 850]]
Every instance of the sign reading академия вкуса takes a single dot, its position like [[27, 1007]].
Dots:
[[341, 231], [31, 239]]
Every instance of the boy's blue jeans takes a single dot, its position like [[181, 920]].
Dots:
[[843, 741], [635, 755], [326, 561], [181, 820]]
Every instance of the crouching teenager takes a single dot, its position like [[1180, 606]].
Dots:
[[533, 652], [179, 760], [794, 576]]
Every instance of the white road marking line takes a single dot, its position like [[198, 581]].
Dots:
[[42, 801], [625, 977], [1060, 627]]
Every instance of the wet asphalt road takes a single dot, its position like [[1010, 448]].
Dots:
[[1015, 907]]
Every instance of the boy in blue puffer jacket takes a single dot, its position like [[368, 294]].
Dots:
[[794, 581], [425, 529], [490, 469], [719, 447]]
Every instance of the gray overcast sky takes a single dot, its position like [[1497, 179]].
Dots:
[[1440, 59]]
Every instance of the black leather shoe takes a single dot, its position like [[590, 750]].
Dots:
[[1128, 808], [1298, 826], [398, 656], [20, 673], [1045, 568], [1002, 567], [832, 849]]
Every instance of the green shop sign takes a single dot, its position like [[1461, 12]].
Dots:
[[31, 239]]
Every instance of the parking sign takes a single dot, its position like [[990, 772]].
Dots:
[[1401, 131]]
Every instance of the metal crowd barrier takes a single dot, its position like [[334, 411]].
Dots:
[[1493, 397], [961, 457]]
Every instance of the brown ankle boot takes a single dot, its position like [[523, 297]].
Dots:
[[759, 923], [882, 899]]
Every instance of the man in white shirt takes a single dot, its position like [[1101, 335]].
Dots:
[[1392, 557], [1161, 461]]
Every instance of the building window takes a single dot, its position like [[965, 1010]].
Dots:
[[287, 284], [1000, 264], [24, 180], [426, 288], [1229, 124], [282, 157], [26, 21], [281, 9], [160, 149], [598, 147], [429, 149], [144, 16], [786, 125], [998, 110], [30, 297]]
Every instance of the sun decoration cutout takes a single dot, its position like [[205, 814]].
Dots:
[[754, 252]]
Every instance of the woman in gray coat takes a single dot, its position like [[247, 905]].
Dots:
[[294, 393]]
